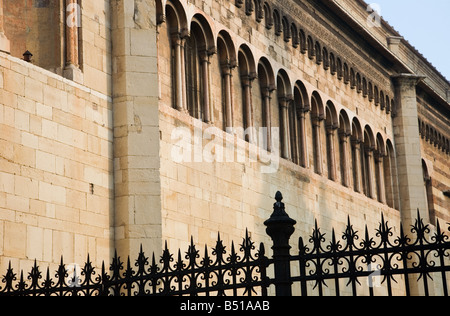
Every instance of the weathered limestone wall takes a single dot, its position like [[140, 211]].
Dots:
[[56, 168], [200, 199], [137, 218]]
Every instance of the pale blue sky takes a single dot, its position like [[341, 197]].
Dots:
[[426, 26]]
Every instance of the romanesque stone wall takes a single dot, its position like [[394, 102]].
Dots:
[[202, 198], [56, 168]]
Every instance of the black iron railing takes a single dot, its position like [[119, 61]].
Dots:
[[414, 264]]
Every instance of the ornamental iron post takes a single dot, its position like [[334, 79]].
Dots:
[[280, 228]]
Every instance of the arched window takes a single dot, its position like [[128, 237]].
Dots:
[[428, 187], [295, 35], [247, 73], [285, 99], [198, 49], [326, 59], [318, 52], [317, 118], [359, 87], [352, 79], [259, 11], [339, 69], [376, 95], [370, 91], [331, 125], [268, 16], [332, 64], [301, 103], [277, 22], [368, 163], [303, 42], [365, 90], [380, 153], [357, 153], [344, 135], [227, 62], [286, 29], [267, 85], [390, 176], [346, 74], [382, 101], [311, 48]]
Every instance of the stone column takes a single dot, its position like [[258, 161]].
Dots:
[[380, 177], [180, 72], [204, 58], [227, 70], [370, 172], [356, 145], [332, 154], [137, 196], [343, 139], [266, 95], [284, 103], [73, 22], [407, 142], [247, 91], [5, 45], [304, 150], [317, 143]]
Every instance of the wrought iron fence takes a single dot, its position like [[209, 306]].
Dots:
[[419, 260]]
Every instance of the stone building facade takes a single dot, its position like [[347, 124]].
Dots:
[[144, 121]]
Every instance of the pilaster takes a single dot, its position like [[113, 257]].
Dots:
[[4, 42], [137, 217], [407, 140]]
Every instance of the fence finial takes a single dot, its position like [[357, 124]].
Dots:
[[280, 228]]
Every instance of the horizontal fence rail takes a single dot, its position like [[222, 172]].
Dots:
[[220, 273], [414, 264], [385, 258]]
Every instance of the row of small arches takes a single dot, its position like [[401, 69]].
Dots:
[[286, 27], [369, 150], [434, 137]]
